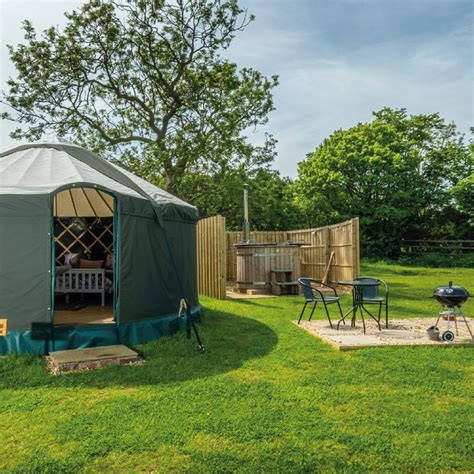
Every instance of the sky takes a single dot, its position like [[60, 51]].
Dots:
[[337, 61]]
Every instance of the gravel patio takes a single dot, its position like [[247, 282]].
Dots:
[[401, 332]]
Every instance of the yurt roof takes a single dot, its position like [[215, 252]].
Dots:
[[44, 167]]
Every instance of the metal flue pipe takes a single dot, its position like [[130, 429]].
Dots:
[[246, 225]]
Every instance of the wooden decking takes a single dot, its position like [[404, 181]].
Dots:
[[88, 315]]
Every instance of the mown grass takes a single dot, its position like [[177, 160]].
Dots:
[[265, 396]]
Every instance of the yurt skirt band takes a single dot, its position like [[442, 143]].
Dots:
[[92, 335]]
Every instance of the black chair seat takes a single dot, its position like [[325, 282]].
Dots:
[[376, 299], [327, 299]]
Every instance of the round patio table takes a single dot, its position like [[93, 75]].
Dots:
[[358, 301]]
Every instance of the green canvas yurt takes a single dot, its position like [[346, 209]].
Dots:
[[90, 254]]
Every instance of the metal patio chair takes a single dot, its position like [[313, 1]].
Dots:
[[313, 295], [371, 295]]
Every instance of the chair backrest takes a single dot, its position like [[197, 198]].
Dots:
[[305, 285], [369, 291]]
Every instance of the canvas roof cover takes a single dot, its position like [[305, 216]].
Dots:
[[46, 166]]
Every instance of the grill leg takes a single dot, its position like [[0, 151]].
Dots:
[[456, 326], [467, 325]]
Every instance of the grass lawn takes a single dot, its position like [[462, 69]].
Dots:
[[265, 396]]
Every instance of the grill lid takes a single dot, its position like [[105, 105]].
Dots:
[[451, 295]]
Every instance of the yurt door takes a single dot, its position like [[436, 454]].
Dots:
[[84, 222]]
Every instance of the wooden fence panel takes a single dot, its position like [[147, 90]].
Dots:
[[340, 242], [233, 237], [342, 239], [314, 254], [211, 257]]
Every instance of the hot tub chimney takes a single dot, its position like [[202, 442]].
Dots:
[[246, 225]]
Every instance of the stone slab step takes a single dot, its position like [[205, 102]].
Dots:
[[91, 358]]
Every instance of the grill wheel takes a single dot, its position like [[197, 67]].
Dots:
[[447, 336]]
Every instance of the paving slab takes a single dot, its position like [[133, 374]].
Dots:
[[91, 358], [401, 332]]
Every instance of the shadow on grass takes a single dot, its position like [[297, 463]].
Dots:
[[229, 341], [262, 302]]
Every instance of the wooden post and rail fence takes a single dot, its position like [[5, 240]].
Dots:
[[337, 245], [439, 247]]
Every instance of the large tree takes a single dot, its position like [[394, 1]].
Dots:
[[144, 81], [395, 172]]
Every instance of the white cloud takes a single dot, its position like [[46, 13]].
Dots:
[[324, 88]]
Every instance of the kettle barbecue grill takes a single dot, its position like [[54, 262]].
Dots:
[[451, 297]]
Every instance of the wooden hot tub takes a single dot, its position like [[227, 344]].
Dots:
[[255, 262]]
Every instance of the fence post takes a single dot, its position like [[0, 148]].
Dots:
[[211, 257], [222, 259], [355, 247], [327, 250]]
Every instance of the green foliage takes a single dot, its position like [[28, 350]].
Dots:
[[264, 397], [271, 205], [463, 194], [395, 173], [144, 81]]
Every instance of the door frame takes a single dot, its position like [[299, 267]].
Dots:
[[115, 245]]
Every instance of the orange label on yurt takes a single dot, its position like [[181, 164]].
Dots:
[[3, 327]]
